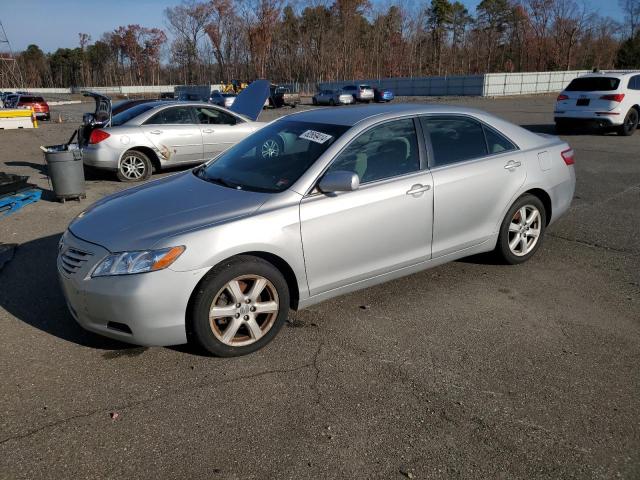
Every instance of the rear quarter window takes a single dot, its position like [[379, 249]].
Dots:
[[593, 84]]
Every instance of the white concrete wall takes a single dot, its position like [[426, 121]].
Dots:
[[424, 86]]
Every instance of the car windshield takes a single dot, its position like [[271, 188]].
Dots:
[[123, 117], [593, 84], [273, 158]]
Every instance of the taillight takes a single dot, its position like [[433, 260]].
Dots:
[[567, 156], [562, 96], [618, 97], [97, 136]]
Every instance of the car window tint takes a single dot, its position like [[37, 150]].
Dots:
[[634, 83], [385, 151], [172, 116], [593, 84], [454, 139], [212, 116], [496, 143]]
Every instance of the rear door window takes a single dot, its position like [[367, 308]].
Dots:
[[454, 139], [213, 116], [497, 143], [593, 84], [172, 116], [634, 83]]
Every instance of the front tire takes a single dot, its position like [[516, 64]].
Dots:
[[630, 124], [522, 230], [239, 307], [134, 166]]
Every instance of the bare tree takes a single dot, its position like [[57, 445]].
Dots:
[[631, 10], [188, 22]]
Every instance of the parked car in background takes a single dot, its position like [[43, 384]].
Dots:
[[360, 93], [163, 133], [38, 104], [10, 100], [127, 104], [332, 97], [607, 100], [222, 99], [219, 254], [382, 95], [281, 96]]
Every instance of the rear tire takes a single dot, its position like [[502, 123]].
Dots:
[[630, 124], [522, 230], [134, 166], [314, 101], [225, 299], [332, 103]]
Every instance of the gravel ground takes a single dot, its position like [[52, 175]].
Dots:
[[468, 370]]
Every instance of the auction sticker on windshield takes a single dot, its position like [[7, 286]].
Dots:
[[314, 136]]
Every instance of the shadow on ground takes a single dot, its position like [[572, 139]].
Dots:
[[31, 293]]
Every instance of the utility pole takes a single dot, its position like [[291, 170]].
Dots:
[[10, 74]]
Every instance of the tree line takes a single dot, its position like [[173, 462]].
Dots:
[[310, 41]]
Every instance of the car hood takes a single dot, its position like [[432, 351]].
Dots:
[[250, 101], [137, 218]]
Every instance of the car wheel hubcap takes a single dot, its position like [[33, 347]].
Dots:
[[270, 148], [524, 230], [132, 167], [244, 310]]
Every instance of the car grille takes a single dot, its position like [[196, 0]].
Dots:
[[73, 260]]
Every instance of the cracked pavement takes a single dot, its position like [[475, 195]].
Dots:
[[468, 370]]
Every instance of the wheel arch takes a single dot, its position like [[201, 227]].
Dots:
[[278, 262], [149, 152], [545, 198]]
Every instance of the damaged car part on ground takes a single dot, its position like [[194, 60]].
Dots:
[[154, 135], [349, 202]]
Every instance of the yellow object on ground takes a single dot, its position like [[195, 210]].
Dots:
[[11, 118]]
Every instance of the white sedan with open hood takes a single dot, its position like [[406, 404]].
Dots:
[[155, 135]]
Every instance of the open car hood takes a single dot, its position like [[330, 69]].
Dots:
[[250, 101]]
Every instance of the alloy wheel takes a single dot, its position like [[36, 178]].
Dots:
[[524, 230], [270, 148], [132, 167], [244, 310]]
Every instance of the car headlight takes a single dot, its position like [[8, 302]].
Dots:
[[127, 263]]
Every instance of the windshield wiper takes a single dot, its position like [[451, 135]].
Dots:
[[220, 181]]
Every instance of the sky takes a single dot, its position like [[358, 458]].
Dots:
[[51, 24]]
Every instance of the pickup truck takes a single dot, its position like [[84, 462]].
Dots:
[[280, 96]]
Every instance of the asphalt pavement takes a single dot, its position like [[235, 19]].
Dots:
[[468, 370]]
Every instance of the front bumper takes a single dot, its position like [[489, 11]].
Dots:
[[153, 306], [101, 156]]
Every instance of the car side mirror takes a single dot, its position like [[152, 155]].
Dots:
[[339, 181]]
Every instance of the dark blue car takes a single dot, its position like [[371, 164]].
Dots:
[[382, 95]]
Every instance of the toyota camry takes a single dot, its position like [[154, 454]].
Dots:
[[219, 254]]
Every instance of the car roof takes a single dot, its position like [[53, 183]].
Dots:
[[353, 115], [609, 74]]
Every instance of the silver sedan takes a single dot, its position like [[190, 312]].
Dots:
[[161, 134], [220, 253]]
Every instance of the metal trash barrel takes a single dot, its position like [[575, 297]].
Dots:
[[66, 171]]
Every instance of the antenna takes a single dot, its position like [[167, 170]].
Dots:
[[10, 74]]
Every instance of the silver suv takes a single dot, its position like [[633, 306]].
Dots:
[[360, 93]]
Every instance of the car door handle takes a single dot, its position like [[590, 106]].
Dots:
[[418, 189], [208, 130], [155, 132], [511, 164]]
